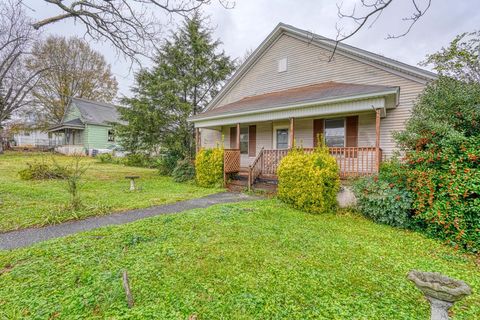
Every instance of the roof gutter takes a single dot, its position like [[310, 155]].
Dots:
[[300, 105]]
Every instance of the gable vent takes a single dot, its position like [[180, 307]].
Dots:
[[282, 65]]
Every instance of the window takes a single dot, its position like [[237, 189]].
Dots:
[[335, 132], [244, 140], [282, 138], [111, 136]]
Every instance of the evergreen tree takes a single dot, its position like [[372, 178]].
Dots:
[[189, 70]]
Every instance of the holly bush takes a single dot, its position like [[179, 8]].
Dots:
[[309, 181], [209, 167], [442, 161], [446, 183]]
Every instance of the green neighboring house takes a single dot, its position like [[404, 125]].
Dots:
[[86, 127]]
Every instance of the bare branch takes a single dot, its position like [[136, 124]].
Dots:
[[370, 11], [130, 25]]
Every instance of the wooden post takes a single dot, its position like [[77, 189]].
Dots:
[[238, 136], [291, 140], [377, 140], [198, 141]]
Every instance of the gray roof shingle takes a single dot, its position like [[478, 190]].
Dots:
[[94, 112], [319, 92]]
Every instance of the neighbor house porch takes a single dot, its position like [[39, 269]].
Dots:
[[256, 135], [72, 137]]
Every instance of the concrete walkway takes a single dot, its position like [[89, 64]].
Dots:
[[26, 237]]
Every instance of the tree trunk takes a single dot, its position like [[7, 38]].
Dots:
[[1, 140]]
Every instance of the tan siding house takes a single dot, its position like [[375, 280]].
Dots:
[[291, 85]]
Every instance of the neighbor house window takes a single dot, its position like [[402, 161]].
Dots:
[[244, 140], [111, 136], [335, 132], [282, 138]]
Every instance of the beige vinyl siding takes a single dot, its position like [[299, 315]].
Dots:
[[210, 138], [308, 64]]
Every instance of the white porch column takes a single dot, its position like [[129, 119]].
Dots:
[[377, 140], [238, 137]]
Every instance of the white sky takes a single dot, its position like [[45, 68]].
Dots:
[[250, 21]]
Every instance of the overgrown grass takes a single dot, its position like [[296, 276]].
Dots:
[[104, 190], [254, 260]]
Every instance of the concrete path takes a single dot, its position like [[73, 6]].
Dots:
[[26, 237]]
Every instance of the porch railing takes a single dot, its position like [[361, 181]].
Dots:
[[352, 162], [255, 169], [231, 162]]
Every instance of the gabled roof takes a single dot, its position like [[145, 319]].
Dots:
[[297, 97], [391, 65], [94, 112]]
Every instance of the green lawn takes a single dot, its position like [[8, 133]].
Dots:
[[105, 189], [254, 260]]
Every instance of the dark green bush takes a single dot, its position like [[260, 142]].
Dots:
[[384, 202], [140, 160], [184, 171], [167, 162], [42, 170], [105, 157]]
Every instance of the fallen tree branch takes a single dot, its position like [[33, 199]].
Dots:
[[126, 287]]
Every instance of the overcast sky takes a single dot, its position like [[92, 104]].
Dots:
[[250, 21]]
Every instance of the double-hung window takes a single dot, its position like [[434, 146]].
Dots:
[[244, 140], [335, 132]]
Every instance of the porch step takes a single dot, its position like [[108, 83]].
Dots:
[[268, 188]]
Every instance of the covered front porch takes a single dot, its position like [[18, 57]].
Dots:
[[257, 149], [256, 139]]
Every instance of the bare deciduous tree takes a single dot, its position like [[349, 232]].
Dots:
[[368, 12], [74, 70], [16, 82], [130, 25]]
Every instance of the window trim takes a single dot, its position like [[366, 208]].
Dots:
[[344, 130], [274, 133], [248, 139], [112, 135]]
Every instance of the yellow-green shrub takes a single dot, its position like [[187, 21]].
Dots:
[[209, 167], [309, 182]]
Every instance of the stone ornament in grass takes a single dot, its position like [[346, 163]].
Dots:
[[441, 291], [132, 181]]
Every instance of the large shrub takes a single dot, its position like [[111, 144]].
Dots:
[[309, 181], [209, 167], [442, 161], [184, 171], [446, 183]]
